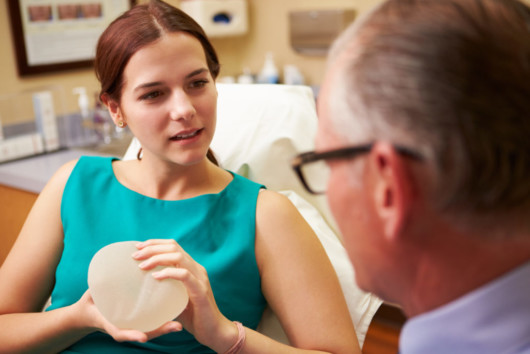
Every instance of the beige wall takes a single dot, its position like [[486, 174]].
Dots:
[[268, 31]]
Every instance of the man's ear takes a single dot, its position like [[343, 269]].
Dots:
[[391, 189], [113, 107]]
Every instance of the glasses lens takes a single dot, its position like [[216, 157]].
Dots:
[[316, 175]]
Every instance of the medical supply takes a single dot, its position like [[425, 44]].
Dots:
[[218, 18], [130, 297], [21, 146], [1, 129], [102, 123], [82, 101], [269, 73], [46, 120], [226, 80], [246, 77], [292, 75]]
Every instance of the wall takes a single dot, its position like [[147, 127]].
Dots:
[[11, 83], [268, 32]]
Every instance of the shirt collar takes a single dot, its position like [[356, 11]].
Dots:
[[490, 319]]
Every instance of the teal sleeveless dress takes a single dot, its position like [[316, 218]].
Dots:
[[217, 230]]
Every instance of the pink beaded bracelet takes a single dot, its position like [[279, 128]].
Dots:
[[240, 339]]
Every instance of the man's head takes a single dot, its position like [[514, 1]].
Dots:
[[450, 81]]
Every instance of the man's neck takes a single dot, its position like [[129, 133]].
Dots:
[[458, 264]]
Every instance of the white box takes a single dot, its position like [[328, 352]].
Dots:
[[46, 120], [218, 18], [21, 146]]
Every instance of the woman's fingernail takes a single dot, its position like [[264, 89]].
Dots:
[[142, 265]]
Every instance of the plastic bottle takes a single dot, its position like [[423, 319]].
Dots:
[[102, 122], [269, 72], [246, 77], [89, 133], [82, 101], [292, 75]]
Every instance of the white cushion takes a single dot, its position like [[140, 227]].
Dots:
[[362, 305], [260, 128]]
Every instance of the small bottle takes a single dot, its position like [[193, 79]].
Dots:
[[246, 77], [292, 75], [82, 101], [89, 134], [269, 73], [102, 122], [1, 130]]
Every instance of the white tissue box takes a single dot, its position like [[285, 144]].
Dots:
[[218, 18]]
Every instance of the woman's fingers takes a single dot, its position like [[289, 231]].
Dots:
[[198, 288], [175, 259], [97, 320], [131, 335], [167, 253], [168, 327], [181, 274], [126, 335], [202, 316], [153, 246]]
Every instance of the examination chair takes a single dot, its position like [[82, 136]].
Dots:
[[259, 130]]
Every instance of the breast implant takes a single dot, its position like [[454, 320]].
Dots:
[[129, 297]]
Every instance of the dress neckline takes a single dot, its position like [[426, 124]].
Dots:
[[140, 195]]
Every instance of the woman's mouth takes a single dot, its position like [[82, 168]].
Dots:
[[186, 135]]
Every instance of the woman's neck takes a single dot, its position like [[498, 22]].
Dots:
[[168, 181]]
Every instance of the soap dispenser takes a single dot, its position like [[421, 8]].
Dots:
[[89, 135], [82, 101], [269, 73]]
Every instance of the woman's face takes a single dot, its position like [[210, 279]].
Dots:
[[169, 99]]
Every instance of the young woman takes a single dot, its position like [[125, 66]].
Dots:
[[235, 245]]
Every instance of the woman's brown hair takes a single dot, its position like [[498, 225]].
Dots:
[[137, 28]]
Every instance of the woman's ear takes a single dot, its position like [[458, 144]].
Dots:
[[392, 189], [113, 107]]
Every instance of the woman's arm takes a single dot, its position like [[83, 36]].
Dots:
[[27, 275], [27, 279], [299, 281]]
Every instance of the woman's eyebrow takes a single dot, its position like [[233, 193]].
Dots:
[[196, 72], [147, 85], [158, 83]]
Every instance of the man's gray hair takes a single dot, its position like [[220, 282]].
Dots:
[[451, 80]]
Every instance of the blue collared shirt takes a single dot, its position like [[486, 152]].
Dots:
[[494, 318]]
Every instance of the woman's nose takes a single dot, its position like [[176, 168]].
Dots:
[[181, 107]]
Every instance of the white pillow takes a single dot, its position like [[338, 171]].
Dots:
[[362, 305], [260, 128]]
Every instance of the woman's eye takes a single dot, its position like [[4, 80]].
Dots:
[[151, 95], [199, 83]]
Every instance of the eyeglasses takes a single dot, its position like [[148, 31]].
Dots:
[[313, 172]]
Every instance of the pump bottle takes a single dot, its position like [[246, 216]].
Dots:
[[269, 73]]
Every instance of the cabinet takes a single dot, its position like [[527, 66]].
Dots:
[[15, 205]]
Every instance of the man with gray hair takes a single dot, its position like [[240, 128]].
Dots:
[[425, 128]]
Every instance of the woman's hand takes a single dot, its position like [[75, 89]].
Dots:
[[97, 321], [201, 317]]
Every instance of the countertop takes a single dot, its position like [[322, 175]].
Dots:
[[31, 174]]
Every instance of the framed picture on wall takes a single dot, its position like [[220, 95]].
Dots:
[[57, 35]]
